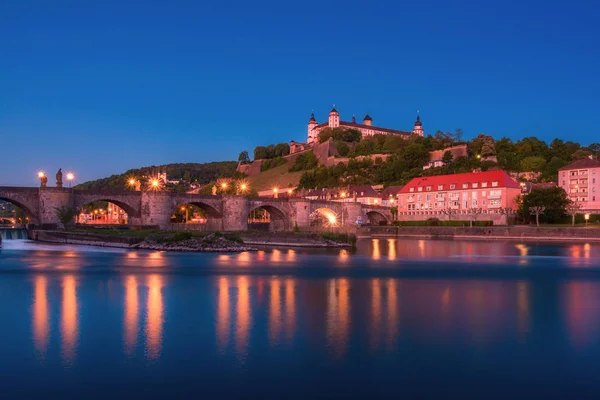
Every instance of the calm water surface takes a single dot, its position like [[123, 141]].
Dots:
[[396, 318]]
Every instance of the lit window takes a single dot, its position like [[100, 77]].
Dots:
[[411, 190], [495, 183], [420, 189], [428, 188], [484, 184], [440, 187], [475, 186], [452, 187], [465, 185]]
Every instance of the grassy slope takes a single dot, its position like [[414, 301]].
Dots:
[[276, 177]]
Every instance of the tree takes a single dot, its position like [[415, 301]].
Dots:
[[394, 211], [458, 134], [449, 211], [594, 148], [65, 214], [342, 148], [260, 153], [537, 211], [573, 209], [244, 158], [474, 212], [447, 157], [554, 200], [282, 149], [533, 163]]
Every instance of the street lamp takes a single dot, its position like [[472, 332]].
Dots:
[[275, 193], [70, 177], [587, 218]]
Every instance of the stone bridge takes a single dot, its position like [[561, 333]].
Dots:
[[146, 208]]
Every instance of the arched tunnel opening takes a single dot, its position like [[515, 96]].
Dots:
[[196, 216], [14, 215], [267, 218], [103, 213]]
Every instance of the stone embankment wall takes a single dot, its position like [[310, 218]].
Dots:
[[90, 239], [492, 232]]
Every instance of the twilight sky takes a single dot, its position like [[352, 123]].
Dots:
[[100, 87]]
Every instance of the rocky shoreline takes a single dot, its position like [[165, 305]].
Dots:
[[187, 241], [210, 243]]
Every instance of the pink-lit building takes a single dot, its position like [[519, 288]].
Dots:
[[366, 127], [494, 192], [581, 181]]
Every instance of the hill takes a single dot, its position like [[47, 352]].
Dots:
[[187, 173], [279, 177]]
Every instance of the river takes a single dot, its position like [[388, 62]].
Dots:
[[395, 318]]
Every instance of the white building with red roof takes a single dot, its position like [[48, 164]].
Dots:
[[490, 192], [581, 181]]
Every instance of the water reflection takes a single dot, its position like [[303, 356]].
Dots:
[[41, 317], [131, 314], [243, 316], [223, 312], [154, 323], [338, 315], [476, 250], [582, 312], [69, 318]]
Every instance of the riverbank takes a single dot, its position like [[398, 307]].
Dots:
[[516, 232], [191, 241]]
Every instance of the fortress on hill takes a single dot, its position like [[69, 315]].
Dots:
[[366, 128]]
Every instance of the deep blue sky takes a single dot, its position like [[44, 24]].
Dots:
[[100, 87]]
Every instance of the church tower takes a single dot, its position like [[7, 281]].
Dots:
[[367, 120], [334, 118], [312, 123], [418, 128]]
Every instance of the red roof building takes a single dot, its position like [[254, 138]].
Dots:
[[490, 192]]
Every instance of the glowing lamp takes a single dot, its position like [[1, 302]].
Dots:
[[41, 174], [275, 190], [332, 219], [70, 176]]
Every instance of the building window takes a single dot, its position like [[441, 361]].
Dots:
[[428, 197], [475, 186], [465, 185], [411, 190], [564, 183], [428, 188], [484, 184], [419, 189], [593, 180], [594, 189], [564, 173], [440, 187], [483, 202], [495, 184], [593, 198], [452, 187]]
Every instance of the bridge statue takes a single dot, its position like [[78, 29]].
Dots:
[[214, 190], [59, 178], [43, 181]]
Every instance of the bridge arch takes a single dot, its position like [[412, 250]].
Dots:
[[22, 203], [325, 217], [210, 217], [377, 218], [130, 204], [274, 218]]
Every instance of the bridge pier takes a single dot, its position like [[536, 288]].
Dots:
[[235, 213], [156, 209], [49, 200]]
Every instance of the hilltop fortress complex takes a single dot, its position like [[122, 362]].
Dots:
[[366, 128]]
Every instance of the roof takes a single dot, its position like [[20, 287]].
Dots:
[[312, 118], [503, 179], [391, 191], [333, 110], [418, 122], [374, 128], [366, 190], [584, 163], [367, 118]]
